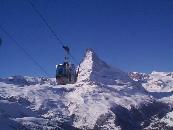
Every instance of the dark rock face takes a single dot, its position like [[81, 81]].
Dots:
[[137, 118], [102, 121], [140, 77]]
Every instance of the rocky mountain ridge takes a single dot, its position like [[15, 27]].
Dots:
[[102, 98]]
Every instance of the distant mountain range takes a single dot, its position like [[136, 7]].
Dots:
[[103, 98]]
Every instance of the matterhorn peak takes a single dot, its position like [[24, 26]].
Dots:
[[90, 54], [92, 68]]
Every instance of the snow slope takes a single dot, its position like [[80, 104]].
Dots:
[[102, 98]]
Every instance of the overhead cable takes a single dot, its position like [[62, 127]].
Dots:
[[25, 51], [49, 27]]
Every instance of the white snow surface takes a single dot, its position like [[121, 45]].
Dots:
[[99, 87], [159, 82], [94, 69], [168, 119]]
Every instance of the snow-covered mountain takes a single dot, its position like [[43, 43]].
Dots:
[[103, 98]]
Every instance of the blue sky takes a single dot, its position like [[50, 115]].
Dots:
[[134, 35]]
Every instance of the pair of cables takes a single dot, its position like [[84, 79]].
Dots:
[[59, 41]]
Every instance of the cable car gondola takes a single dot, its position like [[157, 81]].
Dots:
[[66, 72]]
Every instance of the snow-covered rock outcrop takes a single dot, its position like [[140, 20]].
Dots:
[[92, 68], [159, 82], [102, 98]]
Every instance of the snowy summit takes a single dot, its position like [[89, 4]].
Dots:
[[103, 98], [94, 69]]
